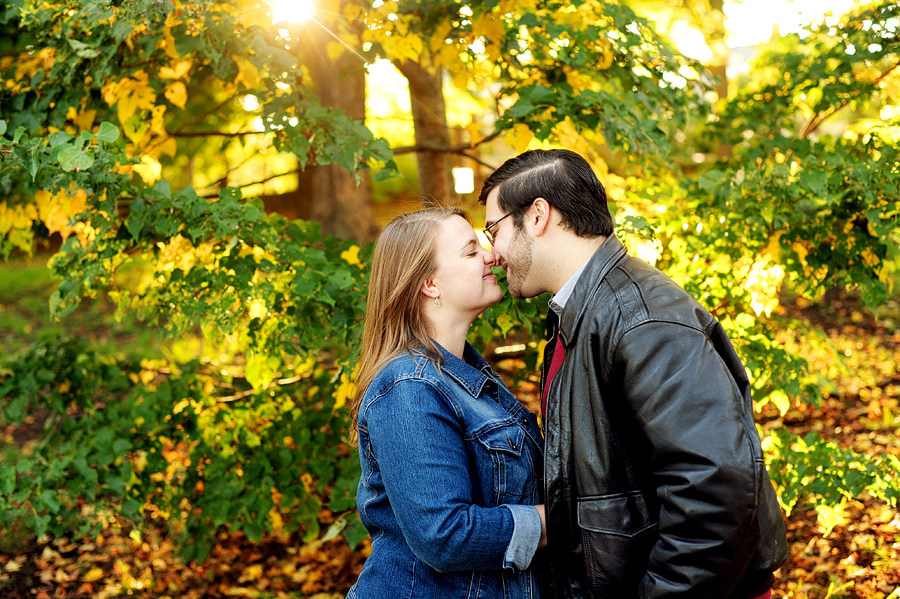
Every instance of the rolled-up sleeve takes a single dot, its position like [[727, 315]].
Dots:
[[525, 538]]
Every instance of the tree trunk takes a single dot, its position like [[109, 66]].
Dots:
[[715, 39], [329, 194], [343, 207], [429, 113]]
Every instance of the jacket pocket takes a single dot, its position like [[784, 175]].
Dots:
[[505, 464], [618, 532]]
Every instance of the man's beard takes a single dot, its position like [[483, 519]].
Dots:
[[517, 270]]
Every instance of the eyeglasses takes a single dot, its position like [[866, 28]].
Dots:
[[490, 234]]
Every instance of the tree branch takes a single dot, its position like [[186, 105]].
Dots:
[[457, 149], [818, 118], [203, 116], [249, 392], [266, 180], [216, 134], [229, 172]]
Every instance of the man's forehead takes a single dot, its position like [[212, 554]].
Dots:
[[493, 198]]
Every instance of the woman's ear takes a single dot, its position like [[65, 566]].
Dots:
[[430, 289]]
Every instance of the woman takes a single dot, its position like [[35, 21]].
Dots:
[[450, 460]]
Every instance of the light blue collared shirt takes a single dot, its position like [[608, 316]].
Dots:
[[558, 301]]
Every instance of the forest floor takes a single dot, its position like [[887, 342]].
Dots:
[[859, 558]]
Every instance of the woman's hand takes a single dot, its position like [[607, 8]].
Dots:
[[543, 515]]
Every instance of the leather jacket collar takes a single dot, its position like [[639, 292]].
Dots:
[[611, 253]]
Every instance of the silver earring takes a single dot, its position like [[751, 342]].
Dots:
[[437, 302]]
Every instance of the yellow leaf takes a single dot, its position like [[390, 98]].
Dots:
[[176, 93], [353, 11], [351, 255], [168, 147], [277, 520], [447, 55], [830, 516], [307, 480], [149, 169], [475, 135], [345, 391], [519, 137], [147, 376], [180, 406], [334, 50], [542, 344], [176, 71], [781, 401], [169, 43], [607, 59], [42, 200], [248, 74], [892, 87], [242, 592], [439, 39], [135, 129], [254, 13], [774, 246], [22, 239], [132, 94], [85, 120], [801, 250], [92, 575], [157, 120], [257, 309], [487, 25], [869, 258]]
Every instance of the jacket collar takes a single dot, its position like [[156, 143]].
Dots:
[[608, 255], [471, 374]]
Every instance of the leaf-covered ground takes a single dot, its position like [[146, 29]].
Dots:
[[859, 558]]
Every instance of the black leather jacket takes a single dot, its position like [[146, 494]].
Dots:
[[655, 484]]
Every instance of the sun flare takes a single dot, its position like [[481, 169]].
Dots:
[[292, 11]]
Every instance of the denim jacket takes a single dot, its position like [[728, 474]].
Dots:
[[451, 467]]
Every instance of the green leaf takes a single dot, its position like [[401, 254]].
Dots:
[[59, 137], [71, 159], [230, 193], [49, 498], [83, 50], [3, 126], [354, 532], [108, 132], [7, 480]]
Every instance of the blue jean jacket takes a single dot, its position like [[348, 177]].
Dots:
[[450, 469]]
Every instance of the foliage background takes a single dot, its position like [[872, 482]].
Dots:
[[116, 119]]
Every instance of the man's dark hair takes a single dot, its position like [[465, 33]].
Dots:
[[561, 177]]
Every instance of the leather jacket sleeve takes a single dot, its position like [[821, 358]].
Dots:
[[707, 471]]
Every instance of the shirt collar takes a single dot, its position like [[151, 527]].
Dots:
[[558, 301], [472, 373]]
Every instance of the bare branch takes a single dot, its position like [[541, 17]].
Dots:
[[818, 118], [216, 134], [249, 392], [266, 180], [457, 149]]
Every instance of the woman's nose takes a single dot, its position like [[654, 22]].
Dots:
[[491, 257]]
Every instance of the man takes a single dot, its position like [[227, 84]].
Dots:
[[654, 478]]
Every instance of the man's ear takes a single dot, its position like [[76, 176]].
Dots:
[[430, 289], [539, 216]]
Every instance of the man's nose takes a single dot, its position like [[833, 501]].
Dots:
[[491, 257]]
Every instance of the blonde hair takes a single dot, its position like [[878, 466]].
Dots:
[[404, 257]]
